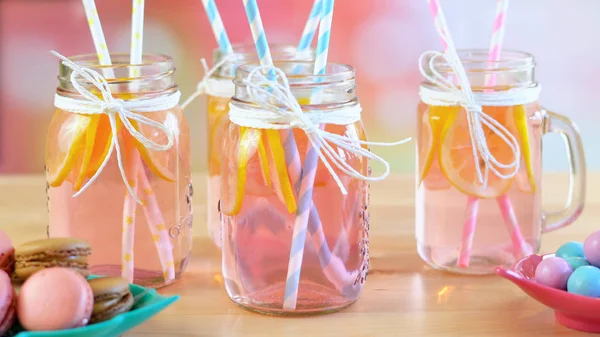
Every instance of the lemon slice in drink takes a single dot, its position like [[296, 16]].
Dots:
[[63, 154], [457, 162], [520, 115], [264, 159], [440, 118], [280, 176], [161, 163], [101, 145], [234, 181]]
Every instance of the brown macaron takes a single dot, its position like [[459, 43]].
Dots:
[[55, 252], [111, 298]]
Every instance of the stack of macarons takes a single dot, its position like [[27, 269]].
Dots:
[[44, 287]]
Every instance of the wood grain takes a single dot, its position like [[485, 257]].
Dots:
[[402, 297]]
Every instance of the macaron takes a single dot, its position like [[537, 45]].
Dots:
[[111, 298], [55, 252], [8, 304], [55, 299], [7, 254]]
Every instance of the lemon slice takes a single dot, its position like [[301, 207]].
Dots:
[[90, 140], [520, 114], [235, 184], [281, 177], [457, 162], [63, 156], [264, 160], [102, 143], [161, 163], [440, 119]]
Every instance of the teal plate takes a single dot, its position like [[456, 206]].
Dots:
[[147, 304]]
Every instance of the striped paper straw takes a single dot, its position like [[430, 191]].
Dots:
[[258, 33], [308, 175], [98, 36], [310, 28], [137, 35], [157, 226], [210, 7], [151, 208], [129, 205]]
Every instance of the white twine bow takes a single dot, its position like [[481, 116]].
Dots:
[[110, 106], [277, 98], [476, 118], [203, 87]]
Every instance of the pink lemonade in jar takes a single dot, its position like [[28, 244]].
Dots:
[[447, 187], [259, 205], [159, 228]]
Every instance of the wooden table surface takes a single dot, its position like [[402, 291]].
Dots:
[[402, 297]]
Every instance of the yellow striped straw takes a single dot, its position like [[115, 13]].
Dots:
[[137, 35], [98, 36]]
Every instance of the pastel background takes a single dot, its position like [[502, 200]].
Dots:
[[382, 39]]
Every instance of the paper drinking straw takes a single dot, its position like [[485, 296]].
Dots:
[[508, 214], [308, 175], [98, 36], [154, 217], [291, 150], [157, 225], [310, 28], [217, 26], [129, 205]]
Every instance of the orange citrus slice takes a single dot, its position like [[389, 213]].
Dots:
[[280, 176], [90, 140], [264, 160], [235, 181], [161, 163], [217, 122], [62, 156], [520, 115], [457, 162], [102, 143], [434, 124]]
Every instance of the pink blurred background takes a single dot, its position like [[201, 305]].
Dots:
[[382, 39]]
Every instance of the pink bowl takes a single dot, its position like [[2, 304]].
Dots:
[[571, 310]]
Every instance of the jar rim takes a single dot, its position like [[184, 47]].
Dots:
[[477, 60], [334, 73]]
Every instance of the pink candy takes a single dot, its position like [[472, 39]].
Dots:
[[553, 272], [591, 248]]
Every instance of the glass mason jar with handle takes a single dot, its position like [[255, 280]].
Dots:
[[463, 224], [219, 89], [118, 167], [293, 232]]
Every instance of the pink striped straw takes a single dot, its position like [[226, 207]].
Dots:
[[520, 247]]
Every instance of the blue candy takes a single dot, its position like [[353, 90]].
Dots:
[[570, 249], [585, 281], [577, 262]]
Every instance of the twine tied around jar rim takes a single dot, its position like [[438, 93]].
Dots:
[[110, 106], [280, 110], [462, 94]]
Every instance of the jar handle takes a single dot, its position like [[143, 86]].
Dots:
[[569, 131]]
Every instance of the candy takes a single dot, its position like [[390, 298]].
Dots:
[[591, 247], [585, 281], [577, 262], [570, 249], [553, 272]]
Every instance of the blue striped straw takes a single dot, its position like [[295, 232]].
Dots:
[[310, 28], [308, 174], [217, 26], [258, 33]]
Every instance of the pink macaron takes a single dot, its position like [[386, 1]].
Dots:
[[8, 301], [55, 299], [7, 253]]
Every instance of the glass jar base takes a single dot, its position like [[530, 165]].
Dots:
[[446, 259], [143, 277], [314, 299]]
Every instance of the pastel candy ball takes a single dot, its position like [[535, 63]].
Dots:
[[553, 272], [585, 281], [576, 262], [591, 248], [570, 249]]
